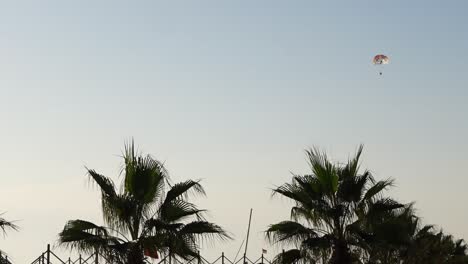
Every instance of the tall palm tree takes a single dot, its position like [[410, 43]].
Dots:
[[143, 217], [333, 208]]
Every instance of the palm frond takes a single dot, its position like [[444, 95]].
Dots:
[[201, 230], [323, 169], [289, 232], [352, 167], [144, 177], [377, 189], [184, 189], [86, 236], [178, 210], [4, 225], [289, 257]]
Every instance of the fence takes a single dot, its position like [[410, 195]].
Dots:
[[220, 260], [49, 257]]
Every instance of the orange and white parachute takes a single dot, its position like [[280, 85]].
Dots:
[[380, 59]]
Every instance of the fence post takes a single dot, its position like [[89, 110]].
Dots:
[[262, 258], [69, 260], [245, 257], [48, 253], [222, 258], [96, 261], [199, 259], [79, 259]]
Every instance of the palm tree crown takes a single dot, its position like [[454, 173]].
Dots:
[[333, 214], [143, 216]]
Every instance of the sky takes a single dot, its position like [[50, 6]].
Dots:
[[230, 92]]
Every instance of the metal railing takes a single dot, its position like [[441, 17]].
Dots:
[[220, 260], [49, 257]]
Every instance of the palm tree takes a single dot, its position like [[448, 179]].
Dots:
[[391, 236], [334, 207], [143, 218], [401, 238], [4, 226], [432, 247]]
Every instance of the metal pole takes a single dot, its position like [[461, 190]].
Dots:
[[48, 253], [79, 259], [96, 261], [247, 239], [199, 259], [222, 258]]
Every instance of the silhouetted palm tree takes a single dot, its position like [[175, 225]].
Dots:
[[143, 216], [401, 238], [334, 208], [430, 247], [4, 226]]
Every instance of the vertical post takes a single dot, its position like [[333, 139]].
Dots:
[[222, 258], [262, 258], [96, 260], [199, 258], [170, 257], [48, 253], [79, 259], [247, 239], [42, 259], [69, 260]]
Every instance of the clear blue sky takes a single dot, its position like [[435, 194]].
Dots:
[[231, 92]]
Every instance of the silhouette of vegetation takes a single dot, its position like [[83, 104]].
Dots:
[[149, 215], [4, 226], [341, 216]]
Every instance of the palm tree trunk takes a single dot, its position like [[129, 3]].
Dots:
[[341, 254], [135, 256]]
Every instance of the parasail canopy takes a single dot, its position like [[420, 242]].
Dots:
[[380, 59]]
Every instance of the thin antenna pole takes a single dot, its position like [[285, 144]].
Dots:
[[248, 232]]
